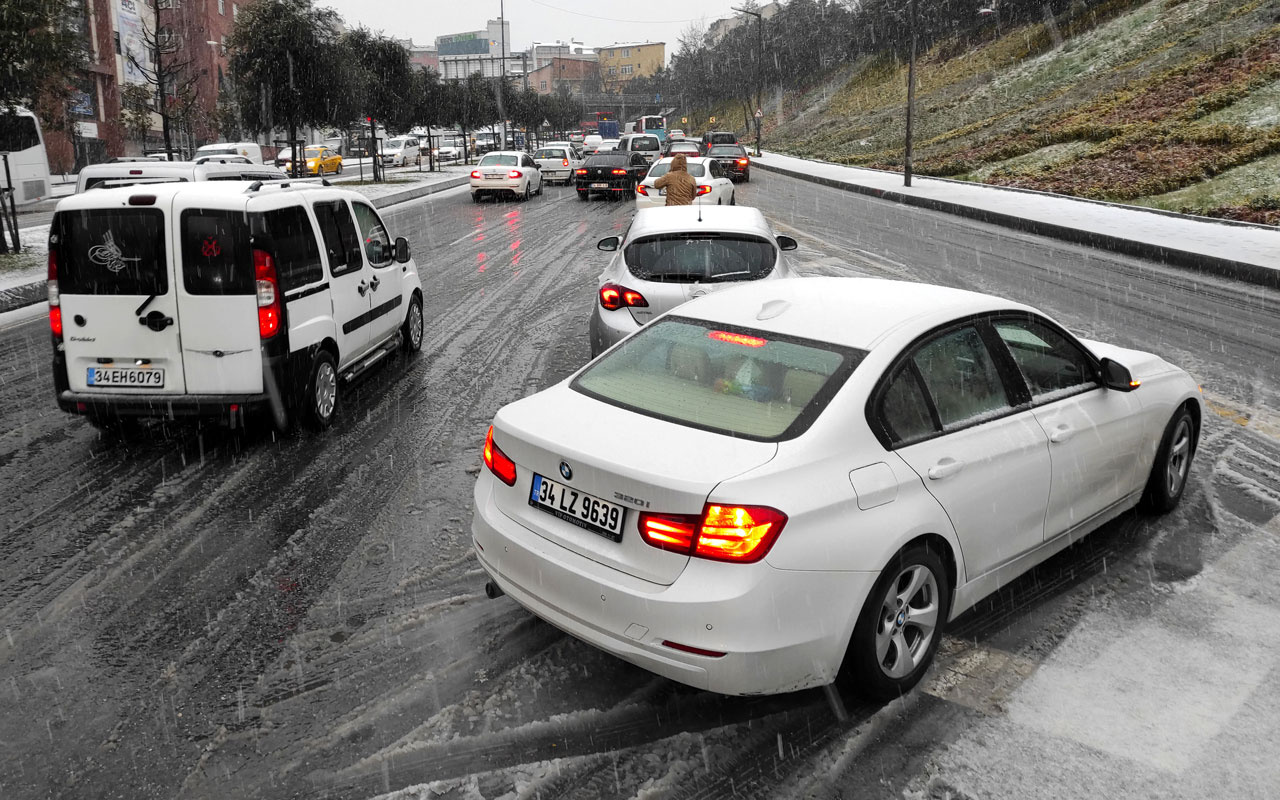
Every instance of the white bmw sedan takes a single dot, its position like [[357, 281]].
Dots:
[[506, 173], [714, 186], [798, 481], [671, 255]]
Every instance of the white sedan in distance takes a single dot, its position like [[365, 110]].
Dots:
[[798, 482], [671, 255], [714, 187], [506, 172], [557, 163]]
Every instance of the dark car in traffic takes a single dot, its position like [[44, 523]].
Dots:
[[608, 173], [712, 138], [733, 160]]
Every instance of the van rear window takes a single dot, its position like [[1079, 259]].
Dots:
[[111, 252], [215, 253]]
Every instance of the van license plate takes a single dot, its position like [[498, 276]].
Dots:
[[579, 508], [124, 376]]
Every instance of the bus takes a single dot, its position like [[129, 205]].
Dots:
[[21, 140], [650, 124]]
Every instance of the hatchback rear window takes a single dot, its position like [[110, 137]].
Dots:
[[729, 380], [111, 252], [215, 253], [658, 170], [700, 257], [499, 161]]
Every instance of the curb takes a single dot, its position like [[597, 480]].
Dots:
[[1196, 262], [29, 293]]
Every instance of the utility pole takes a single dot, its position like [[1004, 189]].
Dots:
[[759, 60], [502, 24], [911, 92]]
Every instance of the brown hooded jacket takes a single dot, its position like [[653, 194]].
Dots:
[[680, 185]]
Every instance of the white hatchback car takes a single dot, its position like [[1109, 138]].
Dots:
[[798, 481], [714, 187], [506, 172], [557, 162], [672, 255]]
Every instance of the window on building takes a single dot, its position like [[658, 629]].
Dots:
[[235, 10], [222, 7], [542, 85], [613, 54], [627, 69], [613, 70], [626, 53], [223, 45]]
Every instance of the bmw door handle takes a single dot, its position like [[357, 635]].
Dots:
[[362, 288], [1061, 433], [945, 468]]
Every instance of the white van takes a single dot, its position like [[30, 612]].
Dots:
[[213, 299], [125, 173], [250, 150]]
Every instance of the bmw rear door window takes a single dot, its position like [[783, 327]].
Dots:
[[700, 257], [729, 380], [215, 252], [111, 252]]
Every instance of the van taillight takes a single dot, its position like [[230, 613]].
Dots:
[[264, 268], [55, 300]]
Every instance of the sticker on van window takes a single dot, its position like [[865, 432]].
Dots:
[[109, 255], [210, 247]]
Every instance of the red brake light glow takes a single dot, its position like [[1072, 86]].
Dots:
[[738, 534], [264, 268], [497, 461], [673, 532], [515, 173], [704, 190], [614, 297], [742, 162], [475, 173], [642, 189], [737, 338], [618, 171], [55, 301], [564, 162], [579, 172]]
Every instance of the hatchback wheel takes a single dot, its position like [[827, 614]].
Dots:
[[321, 400], [1169, 471], [900, 626]]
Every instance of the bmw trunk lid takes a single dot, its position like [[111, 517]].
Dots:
[[594, 451]]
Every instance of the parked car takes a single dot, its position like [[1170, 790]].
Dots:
[[130, 173], [608, 173], [671, 255], [733, 159], [250, 150], [557, 163], [714, 188], [401, 151], [216, 298], [506, 172], [817, 476]]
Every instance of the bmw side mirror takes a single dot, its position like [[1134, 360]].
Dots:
[[608, 244], [402, 250], [787, 243], [1117, 376]]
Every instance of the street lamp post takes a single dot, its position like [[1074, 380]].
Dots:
[[759, 60], [911, 92], [502, 25]]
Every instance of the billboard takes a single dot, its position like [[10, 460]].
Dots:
[[133, 43], [463, 44]]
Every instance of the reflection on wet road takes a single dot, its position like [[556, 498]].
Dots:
[[197, 612]]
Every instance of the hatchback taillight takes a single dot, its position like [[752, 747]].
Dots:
[[515, 173], [475, 173], [614, 297], [642, 189], [564, 162], [55, 300], [264, 269], [497, 461], [704, 190], [739, 534]]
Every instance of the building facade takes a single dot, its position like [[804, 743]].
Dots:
[[720, 28], [620, 63], [576, 74], [461, 54], [424, 56]]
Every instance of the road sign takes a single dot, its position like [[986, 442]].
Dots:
[[712, 120], [684, 120], [759, 113]]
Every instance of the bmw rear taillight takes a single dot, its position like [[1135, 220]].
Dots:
[[642, 189], [475, 173], [614, 297], [515, 173], [704, 190], [55, 300], [264, 269], [497, 461], [737, 534]]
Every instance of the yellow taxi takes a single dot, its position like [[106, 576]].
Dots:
[[322, 161]]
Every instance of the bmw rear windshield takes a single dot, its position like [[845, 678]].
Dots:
[[725, 379]]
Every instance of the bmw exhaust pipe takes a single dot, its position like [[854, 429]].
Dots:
[[493, 590]]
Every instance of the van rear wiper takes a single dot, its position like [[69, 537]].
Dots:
[[144, 305]]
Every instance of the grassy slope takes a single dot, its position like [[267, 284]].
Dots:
[[1135, 102]]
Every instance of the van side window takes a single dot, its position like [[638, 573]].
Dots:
[[377, 243], [341, 240], [293, 240], [215, 253]]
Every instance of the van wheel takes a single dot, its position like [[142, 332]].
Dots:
[[411, 330], [900, 626], [321, 400]]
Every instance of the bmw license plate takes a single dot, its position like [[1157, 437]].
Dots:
[[579, 508], [126, 376]]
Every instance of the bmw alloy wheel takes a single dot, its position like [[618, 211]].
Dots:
[[1179, 459], [907, 622]]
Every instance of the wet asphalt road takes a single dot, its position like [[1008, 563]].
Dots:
[[196, 612]]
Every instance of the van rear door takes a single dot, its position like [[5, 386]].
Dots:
[[118, 299], [218, 298]]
